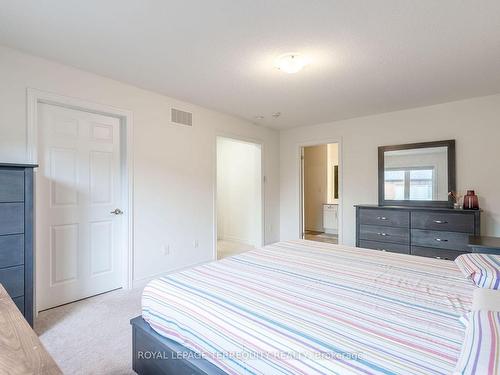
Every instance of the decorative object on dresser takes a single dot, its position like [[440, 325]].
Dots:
[[485, 244], [16, 235], [417, 174], [471, 201], [425, 231], [455, 197]]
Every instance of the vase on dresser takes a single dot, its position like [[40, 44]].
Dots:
[[471, 201]]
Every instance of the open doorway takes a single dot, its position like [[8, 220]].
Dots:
[[238, 196], [320, 185]]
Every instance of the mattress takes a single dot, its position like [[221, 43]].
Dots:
[[303, 307]]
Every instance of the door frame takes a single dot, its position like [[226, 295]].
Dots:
[[300, 148], [243, 139], [36, 97]]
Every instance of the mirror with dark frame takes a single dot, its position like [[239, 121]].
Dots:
[[417, 174]]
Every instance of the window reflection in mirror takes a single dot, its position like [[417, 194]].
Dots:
[[416, 174]]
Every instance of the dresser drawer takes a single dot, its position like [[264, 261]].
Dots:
[[11, 185], [435, 253], [440, 239], [385, 246], [391, 218], [455, 222], [384, 234], [11, 218], [11, 250], [12, 280]]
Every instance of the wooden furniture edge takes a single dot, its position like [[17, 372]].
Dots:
[[21, 351]]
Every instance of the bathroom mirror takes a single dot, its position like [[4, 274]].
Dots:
[[417, 174]]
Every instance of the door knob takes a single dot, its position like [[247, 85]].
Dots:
[[117, 211]]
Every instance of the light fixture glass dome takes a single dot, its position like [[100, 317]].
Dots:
[[291, 63]]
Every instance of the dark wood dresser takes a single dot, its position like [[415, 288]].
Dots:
[[441, 233], [485, 244], [16, 235]]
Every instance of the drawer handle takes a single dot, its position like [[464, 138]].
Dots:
[[382, 249], [382, 234], [440, 221], [442, 258], [381, 218], [441, 240]]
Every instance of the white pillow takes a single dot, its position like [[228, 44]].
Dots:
[[482, 269], [486, 299]]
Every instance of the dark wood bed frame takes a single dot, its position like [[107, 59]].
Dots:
[[153, 354]]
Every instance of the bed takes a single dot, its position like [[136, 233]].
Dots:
[[304, 307]]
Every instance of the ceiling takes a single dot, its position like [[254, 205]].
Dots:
[[366, 56]]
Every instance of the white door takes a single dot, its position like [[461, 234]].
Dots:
[[78, 188]]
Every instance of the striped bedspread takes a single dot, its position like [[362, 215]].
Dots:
[[303, 307]]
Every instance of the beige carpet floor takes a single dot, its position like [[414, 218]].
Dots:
[[92, 336], [227, 248]]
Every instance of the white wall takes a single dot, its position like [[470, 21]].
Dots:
[[474, 123], [174, 166], [315, 186], [239, 204]]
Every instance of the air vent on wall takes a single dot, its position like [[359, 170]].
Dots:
[[181, 117]]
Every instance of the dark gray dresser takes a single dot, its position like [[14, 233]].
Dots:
[[431, 232], [16, 235]]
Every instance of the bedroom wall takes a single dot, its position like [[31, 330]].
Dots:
[[473, 123], [239, 191], [174, 166]]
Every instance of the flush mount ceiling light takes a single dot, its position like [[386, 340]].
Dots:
[[291, 63]]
